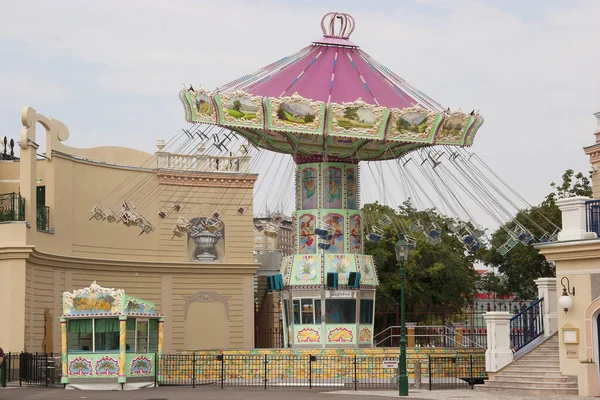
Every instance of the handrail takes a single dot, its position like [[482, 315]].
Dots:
[[527, 325], [442, 331]]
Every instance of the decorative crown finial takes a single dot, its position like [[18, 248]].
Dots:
[[329, 22]]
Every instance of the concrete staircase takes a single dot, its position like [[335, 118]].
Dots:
[[538, 372]]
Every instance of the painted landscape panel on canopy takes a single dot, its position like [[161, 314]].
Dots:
[[453, 129], [414, 124], [200, 105], [286, 268], [364, 265], [295, 114], [358, 119], [307, 242], [473, 130], [240, 109], [332, 187], [306, 270], [335, 224], [342, 264]]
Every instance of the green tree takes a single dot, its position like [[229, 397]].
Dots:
[[436, 274], [237, 105], [523, 263], [351, 113]]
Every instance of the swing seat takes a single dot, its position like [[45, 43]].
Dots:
[[110, 215], [412, 242], [241, 210], [183, 225], [146, 228], [162, 214], [503, 250], [468, 239], [321, 232], [217, 215], [434, 233], [416, 226], [434, 241], [475, 246], [385, 220], [177, 231], [324, 246], [526, 238], [374, 237], [177, 208], [258, 227], [98, 214], [279, 219]]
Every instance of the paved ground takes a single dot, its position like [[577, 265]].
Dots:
[[186, 393]]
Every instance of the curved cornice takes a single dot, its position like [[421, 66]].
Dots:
[[206, 179], [69, 262], [15, 252]]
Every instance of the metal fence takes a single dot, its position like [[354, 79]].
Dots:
[[331, 371], [12, 207], [436, 323], [33, 369], [527, 325], [43, 218]]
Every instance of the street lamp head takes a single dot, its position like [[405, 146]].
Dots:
[[401, 247]]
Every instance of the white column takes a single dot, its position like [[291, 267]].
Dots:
[[573, 219], [547, 290], [498, 353]]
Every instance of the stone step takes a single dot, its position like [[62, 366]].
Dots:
[[534, 377], [540, 357], [493, 387], [529, 368], [535, 363]]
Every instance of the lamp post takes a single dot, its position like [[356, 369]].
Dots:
[[401, 247]]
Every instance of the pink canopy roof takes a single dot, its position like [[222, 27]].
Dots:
[[333, 70]]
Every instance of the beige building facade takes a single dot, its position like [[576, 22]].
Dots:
[[577, 258], [206, 294]]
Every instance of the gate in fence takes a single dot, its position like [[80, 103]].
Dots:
[[33, 369]]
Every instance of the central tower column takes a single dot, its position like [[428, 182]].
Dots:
[[327, 198]]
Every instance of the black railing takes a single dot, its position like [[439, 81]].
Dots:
[[31, 369], [592, 216], [342, 371], [43, 218], [456, 371], [527, 325], [12, 207]]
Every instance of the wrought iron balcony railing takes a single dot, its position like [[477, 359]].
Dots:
[[592, 216], [43, 218], [12, 207]]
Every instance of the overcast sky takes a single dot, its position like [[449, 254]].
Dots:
[[111, 69]]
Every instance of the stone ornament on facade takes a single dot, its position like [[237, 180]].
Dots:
[[206, 297]]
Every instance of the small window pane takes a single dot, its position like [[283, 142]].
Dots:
[[317, 311], [366, 311], [338, 311], [296, 305], [307, 311], [106, 334], [153, 345]]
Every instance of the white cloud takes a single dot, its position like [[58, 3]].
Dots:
[[534, 79]]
